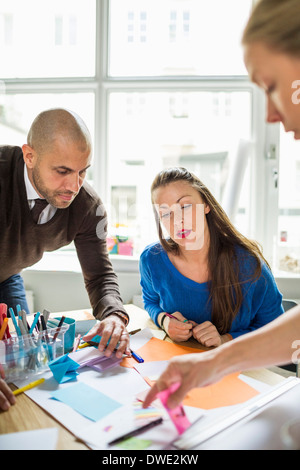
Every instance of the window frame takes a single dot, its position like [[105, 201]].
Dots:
[[102, 85]]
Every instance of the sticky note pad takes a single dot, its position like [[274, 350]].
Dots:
[[86, 400], [177, 414]]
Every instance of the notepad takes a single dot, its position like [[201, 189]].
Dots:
[[86, 400]]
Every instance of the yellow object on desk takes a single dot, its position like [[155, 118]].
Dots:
[[28, 387]]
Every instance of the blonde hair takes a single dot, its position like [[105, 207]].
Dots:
[[276, 23]]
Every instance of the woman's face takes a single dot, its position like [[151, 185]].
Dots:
[[182, 213], [279, 76]]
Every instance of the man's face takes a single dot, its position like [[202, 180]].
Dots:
[[58, 174]]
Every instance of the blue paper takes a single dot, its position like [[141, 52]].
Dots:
[[86, 400], [64, 369]]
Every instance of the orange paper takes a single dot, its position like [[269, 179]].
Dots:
[[229, 391], [159, 350]]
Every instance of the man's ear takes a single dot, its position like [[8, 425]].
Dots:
[[28, 156]]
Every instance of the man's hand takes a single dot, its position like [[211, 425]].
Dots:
[[113, 330], [6, 396]]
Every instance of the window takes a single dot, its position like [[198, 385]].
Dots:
[[47, 39], [287, 241], [159, 83]]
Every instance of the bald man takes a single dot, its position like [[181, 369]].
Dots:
[[52, 167]]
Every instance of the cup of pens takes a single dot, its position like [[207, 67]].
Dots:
[[25, 354]]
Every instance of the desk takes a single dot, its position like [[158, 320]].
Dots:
[[26, 415]]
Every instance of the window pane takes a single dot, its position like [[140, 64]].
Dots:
[[177, 37], [151, 131], [288, 258], [17, 112], [47, 39]]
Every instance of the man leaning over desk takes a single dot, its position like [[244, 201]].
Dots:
[[51, 169]]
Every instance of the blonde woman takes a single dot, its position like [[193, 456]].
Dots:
[[271, 44]]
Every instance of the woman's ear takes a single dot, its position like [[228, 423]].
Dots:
[[206, 209]]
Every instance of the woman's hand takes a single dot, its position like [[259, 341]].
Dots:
[[207, 334], [178, 328], [6, 396]]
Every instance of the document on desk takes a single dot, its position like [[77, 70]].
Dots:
[[254, 425], [98, 435], [41, 439], [231, 390], [119, 384]]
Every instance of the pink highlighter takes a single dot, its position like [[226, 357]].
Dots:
[[177, 414]]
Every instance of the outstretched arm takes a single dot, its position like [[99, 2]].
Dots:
[[273, 344]]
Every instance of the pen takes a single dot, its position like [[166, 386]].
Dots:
[[136, 356], [58, 328], [136, 432], [28, 387], [76, 343], [36, 318], [134, 331], [12, 314], [171, 316]]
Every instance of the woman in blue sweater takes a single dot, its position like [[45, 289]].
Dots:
[[204, 279]]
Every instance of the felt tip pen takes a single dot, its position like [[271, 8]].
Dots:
[[137, 431], [136, 356], [171, 316], [28, 387]]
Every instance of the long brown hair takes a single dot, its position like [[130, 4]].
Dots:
[[225, 286], [276, 23]]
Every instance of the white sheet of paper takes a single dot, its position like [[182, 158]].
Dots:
[[119, 383], [118, 423], [41, 439]]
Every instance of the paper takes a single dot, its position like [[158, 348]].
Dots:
[[86, 400], [64, 369], [158, 350], [93, 358], [97, 435], [231, 390], [41, 439]]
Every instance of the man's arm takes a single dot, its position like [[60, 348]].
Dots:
[[273, 344], [101, 283]]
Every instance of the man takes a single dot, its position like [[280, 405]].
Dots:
[[52, 167]]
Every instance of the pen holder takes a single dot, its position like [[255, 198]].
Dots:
[[29, 355]]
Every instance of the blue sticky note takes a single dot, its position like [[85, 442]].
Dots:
[[86, 400], [64, 369]]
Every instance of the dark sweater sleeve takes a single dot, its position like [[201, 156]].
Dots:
[[100, 279]]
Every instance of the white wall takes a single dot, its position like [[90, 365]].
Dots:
[[62, 290], [57, 282]]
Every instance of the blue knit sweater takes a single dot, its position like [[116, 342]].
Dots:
[[165, 289]]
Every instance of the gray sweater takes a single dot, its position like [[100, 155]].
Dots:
[[22, 242]]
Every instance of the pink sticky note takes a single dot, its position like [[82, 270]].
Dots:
[[177, 414]]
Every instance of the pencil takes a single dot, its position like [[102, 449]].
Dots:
[[28, 387]]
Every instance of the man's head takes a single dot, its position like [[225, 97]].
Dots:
[[57, 155]]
